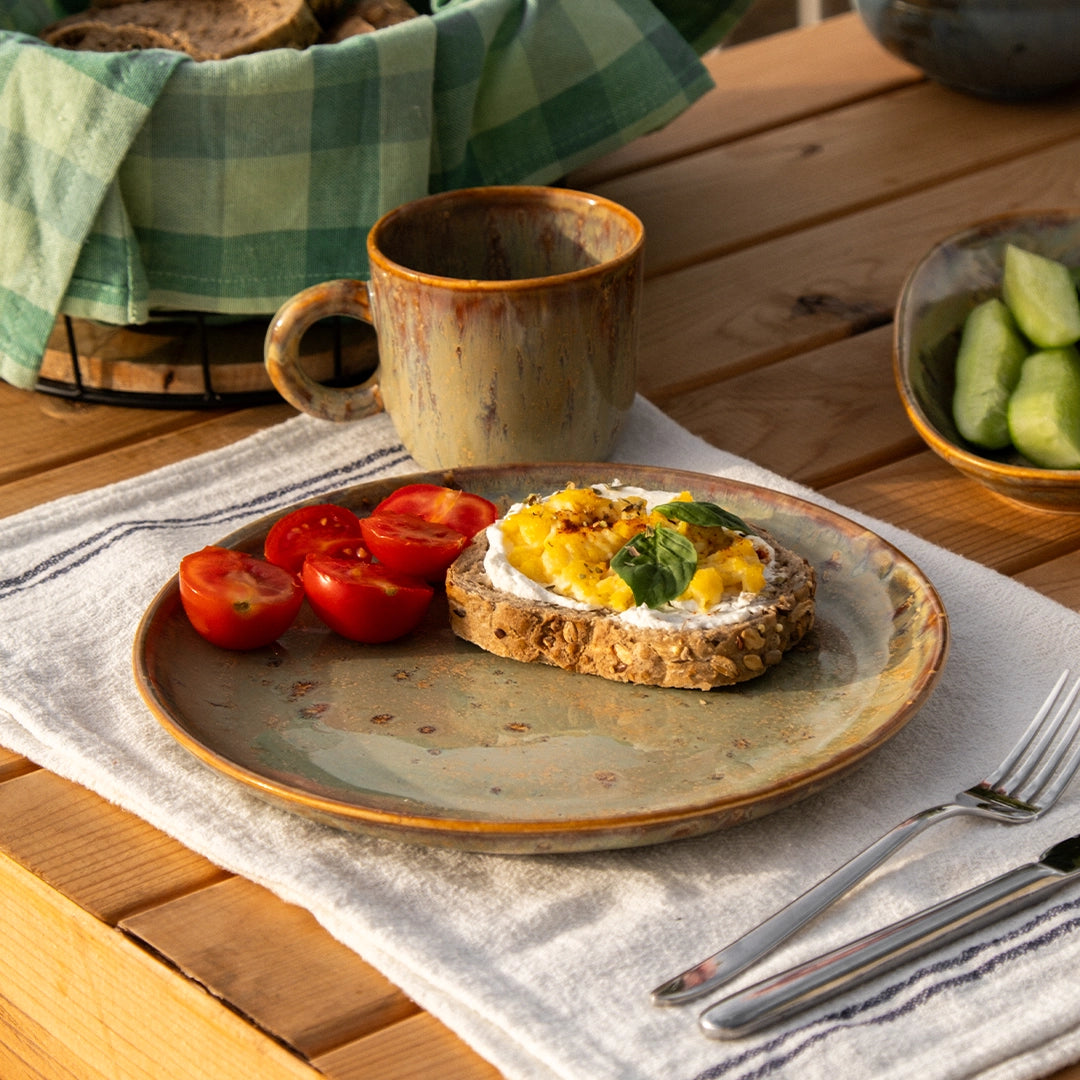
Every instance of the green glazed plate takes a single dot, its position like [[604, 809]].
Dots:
[[431, 740]]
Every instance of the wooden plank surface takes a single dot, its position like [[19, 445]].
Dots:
[[159, 444], [824, 282], [926, 496], [914, 137], [49, 432], [110, 861], [274, 963], [81, 1001], [12, 765], [783, 212], [1059, 578], [771, 82], [848, 389], [418, 1048]]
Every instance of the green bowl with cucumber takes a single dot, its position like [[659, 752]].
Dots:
[[987, 355]]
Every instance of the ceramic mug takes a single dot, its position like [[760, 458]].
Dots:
[[507, 325]]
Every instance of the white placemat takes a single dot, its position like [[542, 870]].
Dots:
[[544, 964]]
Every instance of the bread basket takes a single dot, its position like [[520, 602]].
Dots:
[[223, 187]]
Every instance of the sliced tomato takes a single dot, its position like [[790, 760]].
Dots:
[[364, 601], [237, 600], [461, 510], [325, 527], [413, 545]]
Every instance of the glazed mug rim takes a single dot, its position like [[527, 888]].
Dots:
[[509, 193]]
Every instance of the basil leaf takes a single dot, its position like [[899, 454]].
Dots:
[[657, 565], [704, 513]]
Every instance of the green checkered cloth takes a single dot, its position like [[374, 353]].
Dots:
[[144, 182]]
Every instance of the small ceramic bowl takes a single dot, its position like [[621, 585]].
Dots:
[[994, 48], [954, 276]]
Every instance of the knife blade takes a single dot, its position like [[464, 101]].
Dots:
[[840, 969]]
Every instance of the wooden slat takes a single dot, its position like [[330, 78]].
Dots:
[[792, 346], [1059, 578], [56, 431], [819, 417], [930, 498], [273, 962], [108, 861], [78, 1001], [819, 284], [770, 82], [205, 431], [914, 136], [29, 1051], [419, 1048], [12, 765]]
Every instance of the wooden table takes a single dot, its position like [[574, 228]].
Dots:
[[782, 211]]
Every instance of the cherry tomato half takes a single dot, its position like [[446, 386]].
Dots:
[[237, 600], [461, 510], [364, 601], [325, 527], [412, 545]]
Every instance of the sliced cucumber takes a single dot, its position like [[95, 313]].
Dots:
[[1044, 410], [987, 371], [1042, 297]]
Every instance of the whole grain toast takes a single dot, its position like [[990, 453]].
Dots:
[[220, 29], [204, 29], [346, 18], [595, 642], [92, 35]]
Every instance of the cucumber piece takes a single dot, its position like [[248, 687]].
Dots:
[[1044, 410], [1042, 297], [987, 371]]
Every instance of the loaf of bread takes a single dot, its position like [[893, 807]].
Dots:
[[346, 18], [204, 29], [221, 29], [597, 642], [93, 35]]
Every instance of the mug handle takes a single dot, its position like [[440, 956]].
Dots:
[[281, 352]]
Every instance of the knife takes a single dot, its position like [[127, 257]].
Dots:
[[833, 972]]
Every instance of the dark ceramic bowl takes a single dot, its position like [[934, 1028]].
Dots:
[[954, 276], [994, 48]]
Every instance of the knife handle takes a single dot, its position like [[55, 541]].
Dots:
[[834, 972]]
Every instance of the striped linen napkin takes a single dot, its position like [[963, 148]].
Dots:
[[544, 964], [146, 181]]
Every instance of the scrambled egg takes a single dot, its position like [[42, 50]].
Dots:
[[566, 541]]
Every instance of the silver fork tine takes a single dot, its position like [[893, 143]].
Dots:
[[1061, 766], [1028, 743]]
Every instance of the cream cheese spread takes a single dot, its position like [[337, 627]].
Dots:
[[733, 609]]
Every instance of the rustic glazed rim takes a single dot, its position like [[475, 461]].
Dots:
[[510, 193]]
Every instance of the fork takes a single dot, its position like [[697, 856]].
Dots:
[[1022, 788]]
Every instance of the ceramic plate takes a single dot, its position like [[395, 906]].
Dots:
[[431, 740]]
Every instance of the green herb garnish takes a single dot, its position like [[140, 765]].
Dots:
[[657, 565], [704, 513]]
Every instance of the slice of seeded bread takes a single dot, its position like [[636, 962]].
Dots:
[[89, 35], [204, 29], [362, 17], [596, 643]]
